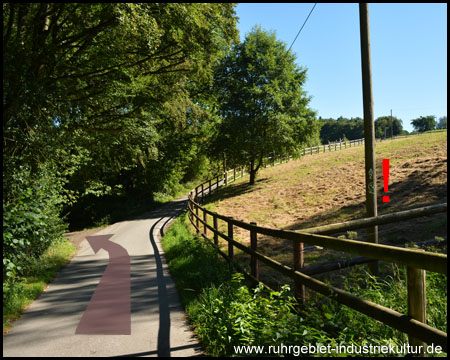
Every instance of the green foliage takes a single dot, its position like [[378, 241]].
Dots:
[[31, 221], [384, 127], [424, 123], [18, 292], [113, 97], [231, 315], [442, 124], [333, 130], [352, 129], [261, 101], [226, 313]]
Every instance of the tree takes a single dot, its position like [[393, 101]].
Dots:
[[261, 102], [442, 123], [106, 77], [424, 123], [333, 130], [383, 126], [102, 99]]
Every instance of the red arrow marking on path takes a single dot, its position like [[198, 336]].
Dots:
[[109, 311]]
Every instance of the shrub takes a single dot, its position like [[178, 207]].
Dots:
[[31, 221]]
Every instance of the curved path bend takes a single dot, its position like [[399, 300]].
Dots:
[[158, 324]]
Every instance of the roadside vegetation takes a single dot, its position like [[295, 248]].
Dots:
[[21, 292], [226, 312]]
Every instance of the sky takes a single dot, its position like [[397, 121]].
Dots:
[[408, 44]]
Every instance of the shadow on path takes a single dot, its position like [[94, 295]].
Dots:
[[166, 213]]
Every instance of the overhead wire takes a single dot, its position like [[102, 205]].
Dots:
[[302, 26]]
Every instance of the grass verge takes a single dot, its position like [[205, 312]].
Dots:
[[19, 294], [227, 314]]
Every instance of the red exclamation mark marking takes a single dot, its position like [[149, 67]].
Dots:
[[386, 178]]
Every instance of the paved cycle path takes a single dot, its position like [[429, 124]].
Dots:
[[158, 323]]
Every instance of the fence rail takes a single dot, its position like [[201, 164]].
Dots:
[[332, 146], [416, 260]]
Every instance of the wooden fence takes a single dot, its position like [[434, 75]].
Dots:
[[417, 261], [338, 145]]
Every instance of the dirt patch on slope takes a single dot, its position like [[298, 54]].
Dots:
[[329, 188]]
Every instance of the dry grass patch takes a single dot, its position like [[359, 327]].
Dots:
[[328, 188]]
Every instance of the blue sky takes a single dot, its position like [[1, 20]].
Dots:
[[408, 54]]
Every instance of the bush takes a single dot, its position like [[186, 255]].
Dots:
[[231, 315], [31, 221]]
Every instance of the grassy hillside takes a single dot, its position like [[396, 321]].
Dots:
[[328, 188]]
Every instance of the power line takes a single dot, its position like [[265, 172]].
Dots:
[[302, 26]]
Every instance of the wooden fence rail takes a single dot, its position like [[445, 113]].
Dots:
[[416, 260]]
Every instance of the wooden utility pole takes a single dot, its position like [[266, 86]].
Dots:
[[369, 128]]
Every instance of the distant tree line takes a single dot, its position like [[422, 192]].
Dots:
[[427, 123], [353, 128], [343, 128]]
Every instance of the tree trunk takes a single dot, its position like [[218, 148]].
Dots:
[[252, 177], [252, 172]]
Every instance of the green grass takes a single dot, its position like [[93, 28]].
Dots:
[[225, 312], [21, 293]]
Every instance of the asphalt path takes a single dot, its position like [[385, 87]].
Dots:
[[158, 323]]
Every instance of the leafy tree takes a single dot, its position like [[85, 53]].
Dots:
[[103, 99], [105, 75], [261, 102], [334, 130], [424, 123], [442, 124], [385, 122]]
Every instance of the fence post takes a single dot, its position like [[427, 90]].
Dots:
[[209, 192], [216, 236], [189, 206], [335, 146], [205, 219], [234, 174], [226, 178], [310, 149], [299, 289], [197, 221], [416, 300], [202, 193], [230, 245], [254, 246]]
